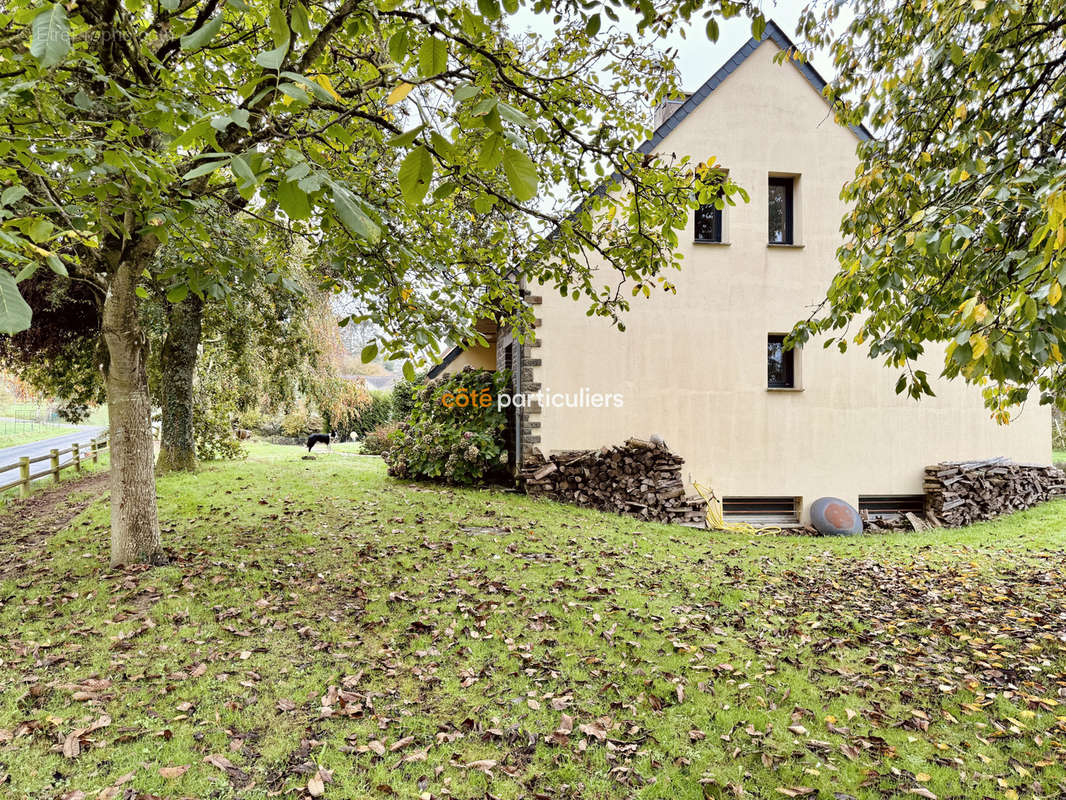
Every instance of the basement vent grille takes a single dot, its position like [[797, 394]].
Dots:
[[762, 510], [889, 506]]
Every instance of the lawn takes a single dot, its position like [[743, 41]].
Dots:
[[326, 630]]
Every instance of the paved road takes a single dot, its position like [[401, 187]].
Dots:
[[10, 455]]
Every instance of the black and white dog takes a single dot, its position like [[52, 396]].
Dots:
[[321, 438]]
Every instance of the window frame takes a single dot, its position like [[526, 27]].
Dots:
[[788, 364], [789, 232], [718, 214], [713, 179]]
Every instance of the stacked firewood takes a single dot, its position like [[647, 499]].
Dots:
[[640, 478], [961, 493]]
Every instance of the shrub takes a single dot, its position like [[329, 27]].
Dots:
[[252, 419], [461, 444], [341, 403], [404, 393], [374, 414], [300, 422], [376, 442]]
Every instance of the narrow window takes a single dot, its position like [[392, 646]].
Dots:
[[780, 365], [708, 217], [781, 210]]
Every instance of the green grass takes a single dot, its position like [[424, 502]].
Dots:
[[317, 612]]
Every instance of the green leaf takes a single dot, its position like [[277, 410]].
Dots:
[[414, 175], [521, 174], [27, 272], [512, 114], [293, 200], [466, 92], [316, 88], [409, 370], [200, 37], [354, 218], [444, 147], [432, 57], [273, 59], [203, 169], [12, 194], [712, 29], [300, 22], [758, 27], [295, 92], [39, 230], [370, 352], [491, 153], [243, 172], [279, 26], [400, 45], [592, 25], [405, 138], [15, 314], [50, 40], [489, 9], [56, 265], [175, 294]]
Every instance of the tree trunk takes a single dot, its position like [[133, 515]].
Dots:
[[177, 449], [135, 534]]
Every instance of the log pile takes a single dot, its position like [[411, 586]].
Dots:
[[640, 478], [961, 493]]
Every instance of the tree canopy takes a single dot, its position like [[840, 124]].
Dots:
[[367, 127], [385, 134], [958, 228]]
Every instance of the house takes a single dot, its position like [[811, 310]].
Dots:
[[470, 354], [770, 430]]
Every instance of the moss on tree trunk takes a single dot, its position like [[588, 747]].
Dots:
[[177, 451]]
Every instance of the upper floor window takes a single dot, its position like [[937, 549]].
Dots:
[[780, 363], [781, 210], [709, 217], [708, 223]]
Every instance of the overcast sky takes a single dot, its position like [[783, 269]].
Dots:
[[698, 57]]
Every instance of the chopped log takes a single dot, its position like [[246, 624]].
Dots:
[[641, 478], [963, 493]]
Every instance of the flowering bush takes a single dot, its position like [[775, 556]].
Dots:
[[455, 430]]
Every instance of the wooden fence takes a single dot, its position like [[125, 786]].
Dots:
[[79, 454]]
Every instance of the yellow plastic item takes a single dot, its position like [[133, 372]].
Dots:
[[716, 517]]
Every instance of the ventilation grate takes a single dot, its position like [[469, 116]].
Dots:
[[889, 506], [762, 510]]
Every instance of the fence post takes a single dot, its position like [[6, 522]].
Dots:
[[55, 465], [92, 450], [24, 476], [75, 456]]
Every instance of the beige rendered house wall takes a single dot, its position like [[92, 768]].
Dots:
[[692, 366], [475, 356]]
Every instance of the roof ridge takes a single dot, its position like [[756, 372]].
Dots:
[[774, 33]]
